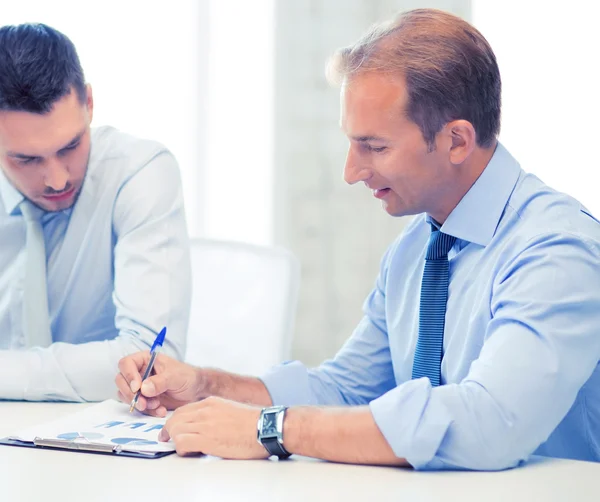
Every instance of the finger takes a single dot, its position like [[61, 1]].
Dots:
[[122, 398], [174, 430], [189, 415], [141, 404], [164, 435], [128, 401], [152, 403], [132, 366], [123, 387], [127, 396], [159, 412], [166, 432], [188, 444]]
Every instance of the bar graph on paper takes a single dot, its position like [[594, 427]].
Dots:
[[107, 423]]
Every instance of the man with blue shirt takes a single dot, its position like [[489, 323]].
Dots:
[[480, 341], [94, 256]]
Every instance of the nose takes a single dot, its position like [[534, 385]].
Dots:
[[353, 171], [56, 176]]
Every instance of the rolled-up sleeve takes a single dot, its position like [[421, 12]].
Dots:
[[361, 371]]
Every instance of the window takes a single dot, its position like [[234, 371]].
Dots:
[[547, 58], [195, 75]]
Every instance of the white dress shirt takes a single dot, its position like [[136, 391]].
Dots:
[[118, 270]]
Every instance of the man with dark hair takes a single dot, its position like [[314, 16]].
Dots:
[[480, 341], [94, 256]]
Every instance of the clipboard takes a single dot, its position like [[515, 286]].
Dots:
[[81, 447], [106, 428]]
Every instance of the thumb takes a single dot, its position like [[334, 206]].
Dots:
[[158, 384]]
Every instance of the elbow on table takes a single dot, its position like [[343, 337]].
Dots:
[[494, 447], [491, 460], [495, 460], [498, 448]]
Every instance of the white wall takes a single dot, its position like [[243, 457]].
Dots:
[[548, 57], [238, 194], [338, 232]]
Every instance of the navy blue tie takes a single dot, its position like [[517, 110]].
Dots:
[[432, 314]]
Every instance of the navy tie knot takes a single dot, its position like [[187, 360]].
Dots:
[[439, 245]]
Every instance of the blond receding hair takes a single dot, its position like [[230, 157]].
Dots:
[[449, 68]]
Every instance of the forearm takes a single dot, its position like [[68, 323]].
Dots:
[[65, 372], [348, 435], [227, 385], [360, 372]]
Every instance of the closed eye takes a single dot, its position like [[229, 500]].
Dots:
[[67, 149], [374, 149], [28, 160]]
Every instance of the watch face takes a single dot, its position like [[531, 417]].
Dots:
[[269, 425]]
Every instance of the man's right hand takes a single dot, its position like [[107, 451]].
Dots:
[[172, 384]]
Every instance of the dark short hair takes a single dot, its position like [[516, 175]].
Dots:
[[38, 66], [449, 68]]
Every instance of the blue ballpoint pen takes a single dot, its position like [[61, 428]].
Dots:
[[160, 338]]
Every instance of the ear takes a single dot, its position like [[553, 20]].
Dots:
[[463, 140], [90, 101]]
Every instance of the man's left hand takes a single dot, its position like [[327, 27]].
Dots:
[[215, 426]]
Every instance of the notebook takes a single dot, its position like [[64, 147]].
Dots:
[[106, 427]]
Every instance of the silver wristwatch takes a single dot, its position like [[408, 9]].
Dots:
[[270, 430]]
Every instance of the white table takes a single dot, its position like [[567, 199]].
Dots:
[[27, 474]]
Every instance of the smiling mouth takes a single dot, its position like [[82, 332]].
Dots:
[[379, 193]]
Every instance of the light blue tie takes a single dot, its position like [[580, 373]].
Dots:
[[36, 320], [432, 314]]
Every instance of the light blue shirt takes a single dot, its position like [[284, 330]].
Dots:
[[118, 270], [521, 341]]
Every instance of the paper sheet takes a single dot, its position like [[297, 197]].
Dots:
[[107, 423]]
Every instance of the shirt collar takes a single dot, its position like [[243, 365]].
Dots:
[[477, 215], [11, 197]]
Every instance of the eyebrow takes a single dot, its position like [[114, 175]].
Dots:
[[70, 144], [364, 139]]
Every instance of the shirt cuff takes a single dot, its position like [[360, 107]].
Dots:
[[14, 377], [412, 421], [288, 384]]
